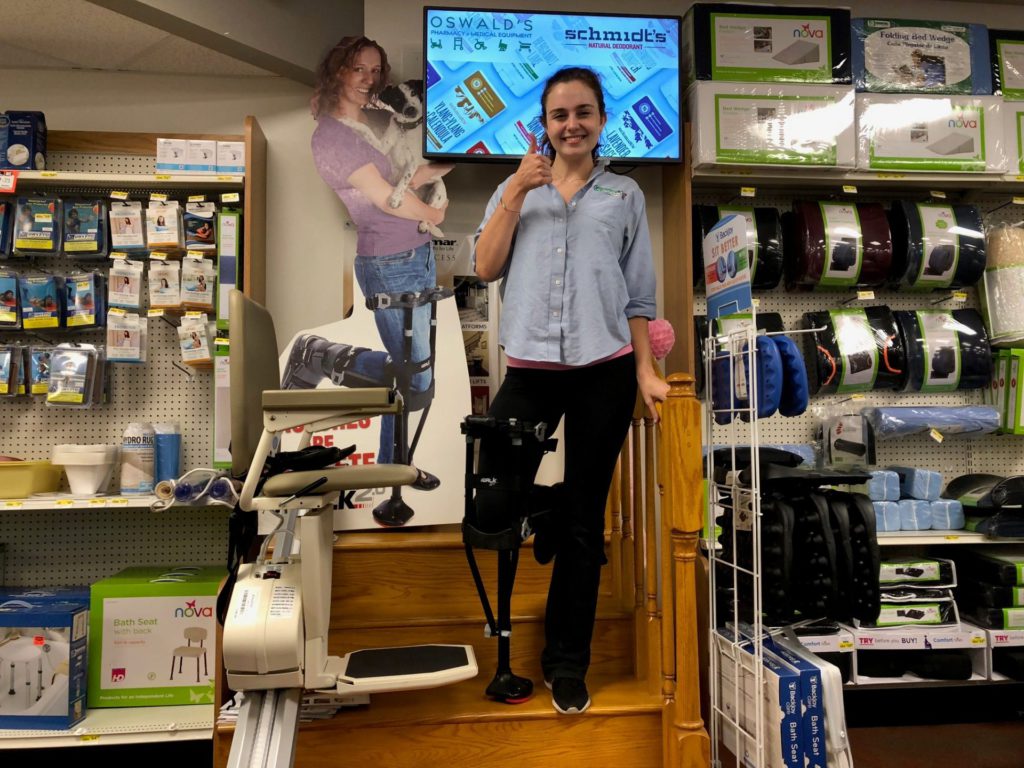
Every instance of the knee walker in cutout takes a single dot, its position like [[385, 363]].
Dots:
[[393, 511], [506, 687]]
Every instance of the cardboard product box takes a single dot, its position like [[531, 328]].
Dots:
[[766, 43], [1013, 128], [1006, 48], [170, 155], [43, 674], [912, 56], [153, 636], [201, 156], [26, 142], [930, 133], [46, 595], [787, 125], [230, 157]]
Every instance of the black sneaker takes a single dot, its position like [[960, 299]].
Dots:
[[301, 372], [569, 695]]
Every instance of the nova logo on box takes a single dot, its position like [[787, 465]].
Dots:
[[806, 31], [117, 675], [191, 611], [962, 121]]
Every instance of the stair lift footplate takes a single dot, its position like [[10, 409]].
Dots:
[[377, 670]]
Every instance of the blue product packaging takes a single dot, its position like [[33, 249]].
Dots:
[[44, 673], [915, 515], [915, 483], [36, 226], [84, 292], [39, 371], [10, 299], [26, 142], [913, 56], [887, 516], [168, 452], [41, 301], [947, 515], [76, 593], [812, 706], [85, 228]]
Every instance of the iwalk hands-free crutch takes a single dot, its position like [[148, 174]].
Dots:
[[276, 623], [532, 505], [314, 358]]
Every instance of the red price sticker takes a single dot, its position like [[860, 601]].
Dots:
[[8, 182]]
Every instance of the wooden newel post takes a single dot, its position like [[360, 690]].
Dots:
[[680, 480]]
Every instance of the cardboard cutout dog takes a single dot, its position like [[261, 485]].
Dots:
[[403, 146]]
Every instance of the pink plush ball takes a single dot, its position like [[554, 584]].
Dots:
[[663, 337]]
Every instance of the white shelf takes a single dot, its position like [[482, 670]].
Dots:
[[69, 501], [127, 725], [39, 179], [803, 178], [914, 538]]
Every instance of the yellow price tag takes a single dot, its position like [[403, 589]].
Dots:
[[197, 198], [220, 341], [849, 189], [65, 502], [845, 644], [1020, 177], [225, 177], [748, 192], [230, 197], [977, 641], [117, 311], [865, 295], [959, 295], [935, 435], [951, 538], [13, 504], [49, 174], [155, 313], [119, 502], [938, 194], [857, 396], [97, 502], [158, 255], [89, 737], [159, 197], [117, 195], [194, 313], [195, 254], [890, 176], [1018, 200], [118, 255], [162, 176]]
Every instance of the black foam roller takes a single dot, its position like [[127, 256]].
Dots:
[[766, 269], [807, 264], [910, 264], [826, 367], [973, 351]]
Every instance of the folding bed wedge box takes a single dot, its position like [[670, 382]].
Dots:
[[153, 634], [43, 650]]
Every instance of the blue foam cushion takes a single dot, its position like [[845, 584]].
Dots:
[[795, 390], [884, 486], [887, 515], [947, 515], [915, 515], [917, 483]]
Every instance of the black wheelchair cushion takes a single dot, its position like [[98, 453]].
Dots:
[[867, 558], [815, 589]]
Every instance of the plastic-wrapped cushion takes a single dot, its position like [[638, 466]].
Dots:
[[884, 485], [872, 354], [766, 249], [887, 515], [917, 483], [795, 392], [899, 421], [808, 265], [918, 261], [951, 351], [769, 322], [947, 515], [915, 515]]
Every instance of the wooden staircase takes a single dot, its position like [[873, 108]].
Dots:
[[405, 587]]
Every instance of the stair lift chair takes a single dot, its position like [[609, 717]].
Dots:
[[276, 624]]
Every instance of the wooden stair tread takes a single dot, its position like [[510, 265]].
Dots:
[[605, 612], [398, 540], [465, 703]]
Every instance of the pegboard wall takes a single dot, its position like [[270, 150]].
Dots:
[[998, 454], [78, 546]]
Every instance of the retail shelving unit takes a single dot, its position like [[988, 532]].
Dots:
[[64, 539]]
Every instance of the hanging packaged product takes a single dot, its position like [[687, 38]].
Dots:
[[42, 304], [85, 228], [911, 56], [126, 337], [946, 349], [854, 350], [164, 284], [39, 357], [195, 336], [764, 240], [1002, 293], [24, 140], [200, 226], [6, 217], [127, 232], [1007, 51], [164, 226], [197, 283], [229, 244], [10, 299], [86, 300], [936, 246], [37, 226], [72, 375], [837, 245], [10, 370], [930, 133], [125, 283]]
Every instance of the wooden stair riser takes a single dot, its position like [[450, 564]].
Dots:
[[611, 649], [424, 584]]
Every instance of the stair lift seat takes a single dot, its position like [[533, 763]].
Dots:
[[276, 625]]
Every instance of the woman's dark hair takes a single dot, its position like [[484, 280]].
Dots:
[[570, 75], [340, 57]]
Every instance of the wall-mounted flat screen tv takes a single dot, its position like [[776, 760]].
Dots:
[[484, 71]]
